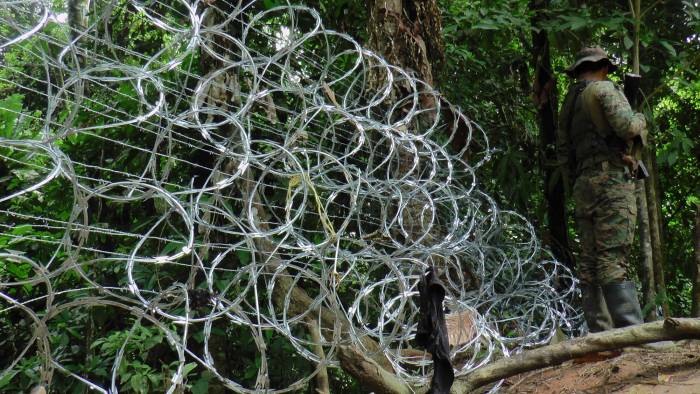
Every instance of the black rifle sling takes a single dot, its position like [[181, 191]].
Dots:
[[577, 93], [569, 120]]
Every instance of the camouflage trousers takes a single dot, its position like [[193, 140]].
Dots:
[[606, 213]]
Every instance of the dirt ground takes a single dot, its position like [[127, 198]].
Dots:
[[634, 371]]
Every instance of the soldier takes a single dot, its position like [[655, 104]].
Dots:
[[596, 129]]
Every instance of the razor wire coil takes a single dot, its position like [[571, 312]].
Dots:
[[317, 165]]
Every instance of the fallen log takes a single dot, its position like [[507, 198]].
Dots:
[[669, 329], [382, 381]]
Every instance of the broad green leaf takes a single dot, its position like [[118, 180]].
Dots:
[[579, 23], [23, 229], [693, 200], [250, 372], [672, 158], [270, 4], [171, 247], [201, 386], [10, 109], [187, 368], [7, 378], [485, 25], [243, 256], [154, 378], [138, 382], [19, 271], [669, 48], [687, 144], [100, 371], [628, 42]]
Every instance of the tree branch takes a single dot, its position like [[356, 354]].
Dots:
[[650, 8], [374, 377], [299, 300], [322, 383]]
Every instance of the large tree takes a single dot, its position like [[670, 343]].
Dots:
[[545, 98]]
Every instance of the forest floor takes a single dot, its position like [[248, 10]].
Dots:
[[637, 371]]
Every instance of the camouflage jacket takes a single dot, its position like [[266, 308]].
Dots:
[[609, 111], [614, 110]]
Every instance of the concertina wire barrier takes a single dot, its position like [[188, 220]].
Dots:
[[289, 157]]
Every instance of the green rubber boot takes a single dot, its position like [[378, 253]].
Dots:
[[595, 310], [622, 302], [623, 305]]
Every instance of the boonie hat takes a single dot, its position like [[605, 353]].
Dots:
[[590, 54]]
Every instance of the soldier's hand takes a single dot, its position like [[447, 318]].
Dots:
[[630, 162]]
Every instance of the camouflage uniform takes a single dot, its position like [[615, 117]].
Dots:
[[596, 128], [604, 190]]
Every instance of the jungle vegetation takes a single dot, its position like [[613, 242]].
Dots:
[[499, 60]]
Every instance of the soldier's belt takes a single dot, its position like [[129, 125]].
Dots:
[[602, 165]]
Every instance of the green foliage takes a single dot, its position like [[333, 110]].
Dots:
[[10, 108], [488, 72], [490, 82], [89, 340]]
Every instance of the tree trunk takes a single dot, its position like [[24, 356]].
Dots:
[[695, 310], [77, 12], [654, 209], [287, 292], [545, 97], [407, 34], [651, 198], [646, 254], [646, 265]]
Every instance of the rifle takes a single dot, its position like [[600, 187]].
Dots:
[[631, 89], [632, 92]]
